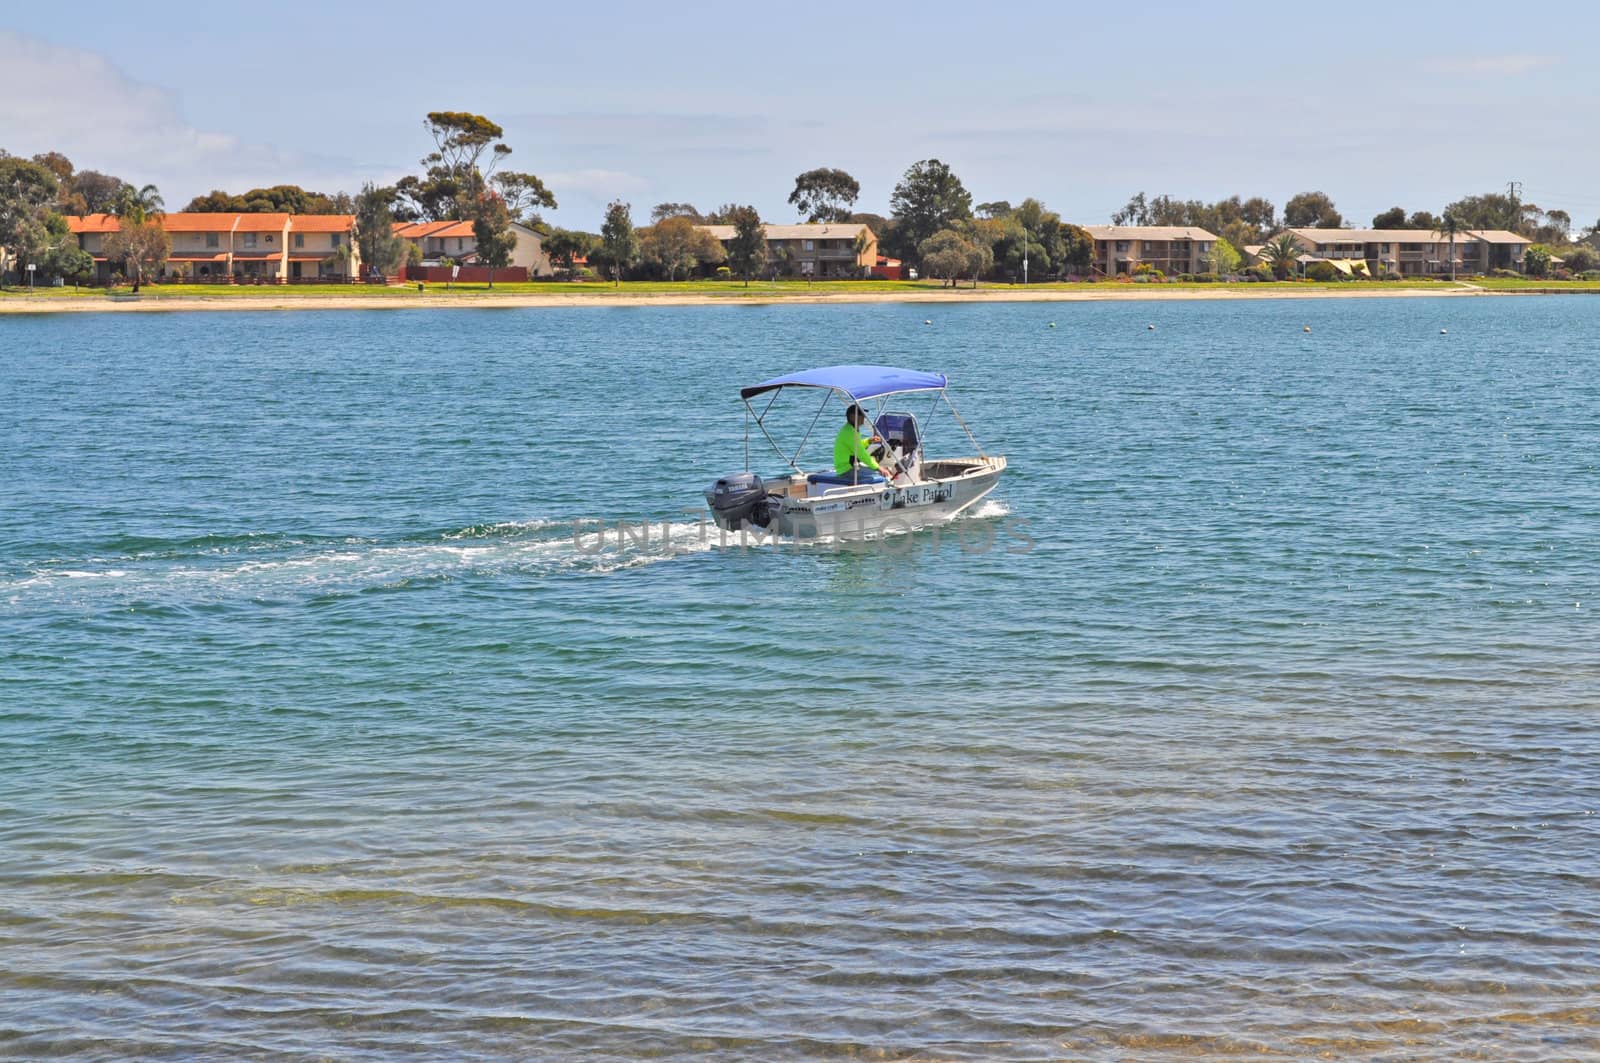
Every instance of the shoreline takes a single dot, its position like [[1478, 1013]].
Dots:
[[19, 303]]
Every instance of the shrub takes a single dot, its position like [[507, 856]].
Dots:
[[1590, 275], [1504, 273], [1323, 272], [1187, 278], [1205, 278], [724, 273], [1561, 273], [1580, 258]]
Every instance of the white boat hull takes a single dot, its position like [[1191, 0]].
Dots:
[[947, 489]]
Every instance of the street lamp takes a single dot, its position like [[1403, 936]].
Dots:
[[1024, 256], [31, 268]]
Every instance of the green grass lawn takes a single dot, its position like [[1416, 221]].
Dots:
[[735, 290]]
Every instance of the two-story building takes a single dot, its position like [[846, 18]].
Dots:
[[231, 248], [825, 249], [439, 240], [1416, 252], [1172, 249]]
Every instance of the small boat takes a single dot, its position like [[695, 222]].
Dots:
[[911, 491]]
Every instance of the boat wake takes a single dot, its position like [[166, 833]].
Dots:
[[273, 568]]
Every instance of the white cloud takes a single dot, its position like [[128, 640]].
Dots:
[[84, 107], [1493, 65]]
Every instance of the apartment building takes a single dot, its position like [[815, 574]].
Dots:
[[1416, 252], [828, 249], [439, 240], [1172, 249], [228, 248]]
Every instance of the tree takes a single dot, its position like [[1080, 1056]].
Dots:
[[492, 233], [1077, 249], [26, 191], [980, 259], [928, 198], [825, 195], [1311, 210], [1280, 253], [1580, 258], [381, 249], [462, 139], [1492, 210], [1550, 227], [1423, 220], [747, 251], [1536, 260], [1393, 218], [61, 256], [468, 149], [1224, 257], [946, 255], [521, 193], [1260, 214], [676, 243], [57, 164], [96, 192], [619, 244], [140, 245], [279, 199], [1450, 224], [566, 245], [1135, 212], [998, 208], [662, 211]]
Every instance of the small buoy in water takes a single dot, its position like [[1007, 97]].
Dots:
[[1052, 324], [1152, 328], [1444, 332], [927, 321], [1308, 328]]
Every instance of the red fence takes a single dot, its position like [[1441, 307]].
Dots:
[[464, 274]]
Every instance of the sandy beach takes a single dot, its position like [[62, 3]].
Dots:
[[19, 303]]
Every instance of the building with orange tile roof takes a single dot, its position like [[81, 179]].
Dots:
[[240, 248], [439, 240]]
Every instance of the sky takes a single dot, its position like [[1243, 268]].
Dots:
[[1379, 105]]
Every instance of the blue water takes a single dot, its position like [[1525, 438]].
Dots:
[[1256, 713]]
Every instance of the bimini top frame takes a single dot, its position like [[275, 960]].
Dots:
[[852, 383], [855, 382]]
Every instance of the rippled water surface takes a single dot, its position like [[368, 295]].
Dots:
[[1255, 715]]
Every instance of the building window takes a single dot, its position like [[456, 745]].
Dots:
[[808, 245], [249, 239], [299, 239], [335, 239], [459, 243], [269, 238], [211, 239]]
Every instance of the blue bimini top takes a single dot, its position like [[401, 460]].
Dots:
[[856, 381]]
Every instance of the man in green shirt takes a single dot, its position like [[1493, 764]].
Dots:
[[849, 449]]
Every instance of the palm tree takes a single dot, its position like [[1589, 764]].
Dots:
[[1281, 251], [1450, 224], [139, 203]]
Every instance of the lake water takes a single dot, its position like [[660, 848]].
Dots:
[[1258, 711]]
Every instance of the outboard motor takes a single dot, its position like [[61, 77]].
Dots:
[[737, 499]]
